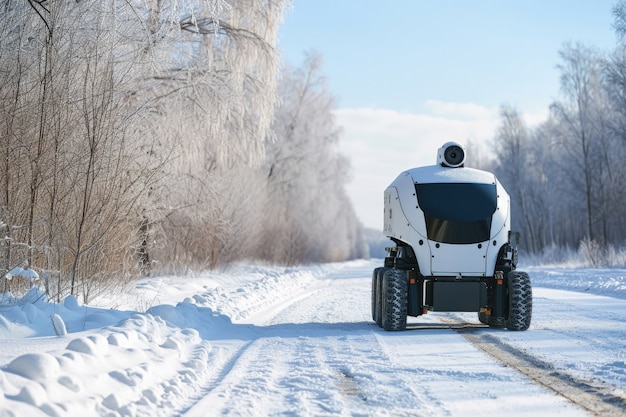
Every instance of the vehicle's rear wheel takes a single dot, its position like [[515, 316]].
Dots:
[[483, 317], [490, 319], [520, 301], [497, 322], [379, 296], [375, 293], [394, 299]]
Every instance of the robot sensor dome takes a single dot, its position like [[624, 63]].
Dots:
[[451, 155]]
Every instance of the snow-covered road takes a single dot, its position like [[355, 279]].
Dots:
[[300, 341]]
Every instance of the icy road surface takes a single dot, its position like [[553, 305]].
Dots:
[[300, 341]]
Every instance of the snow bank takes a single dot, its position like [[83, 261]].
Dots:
[[609, 282], [109, 360]]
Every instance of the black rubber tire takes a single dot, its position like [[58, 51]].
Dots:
[[497, 322], [520, 301], [483, 317], [394, 299], [375, 296], [379, 296]]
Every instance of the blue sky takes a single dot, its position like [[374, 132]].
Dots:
[[410, 75]]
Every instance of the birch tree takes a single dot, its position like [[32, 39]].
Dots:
[[516, 169], [582, 129]]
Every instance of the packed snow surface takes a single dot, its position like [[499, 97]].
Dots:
[[297, 341]]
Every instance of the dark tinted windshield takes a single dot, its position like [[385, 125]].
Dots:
[[457, 213]]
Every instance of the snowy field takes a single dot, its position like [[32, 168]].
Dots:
[[299, 342]]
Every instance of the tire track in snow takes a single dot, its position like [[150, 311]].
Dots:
[[598, 400], [302, 360], [351, 352], [277, 375], [221, 363]]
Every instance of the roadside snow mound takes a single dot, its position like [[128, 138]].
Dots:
[[240, 303], [609, 282], [143, 359], [115, 362]]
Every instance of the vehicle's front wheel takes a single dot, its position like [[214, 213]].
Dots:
[[394, 299], [520, 301]]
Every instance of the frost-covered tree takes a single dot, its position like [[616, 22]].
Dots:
[[310, 216], [214, 102], [566, 176], [568, 171], [518, 169], [67, 138], [583, 132], [120, 116]]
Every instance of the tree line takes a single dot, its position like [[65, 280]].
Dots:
[[162, 136], [567, 176]]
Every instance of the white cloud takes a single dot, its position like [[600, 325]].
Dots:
[[381, 143], [470, 111]]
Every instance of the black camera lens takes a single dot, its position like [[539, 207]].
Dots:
[[454, 155]]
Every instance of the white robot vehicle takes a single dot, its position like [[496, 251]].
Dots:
[[451, 227]]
